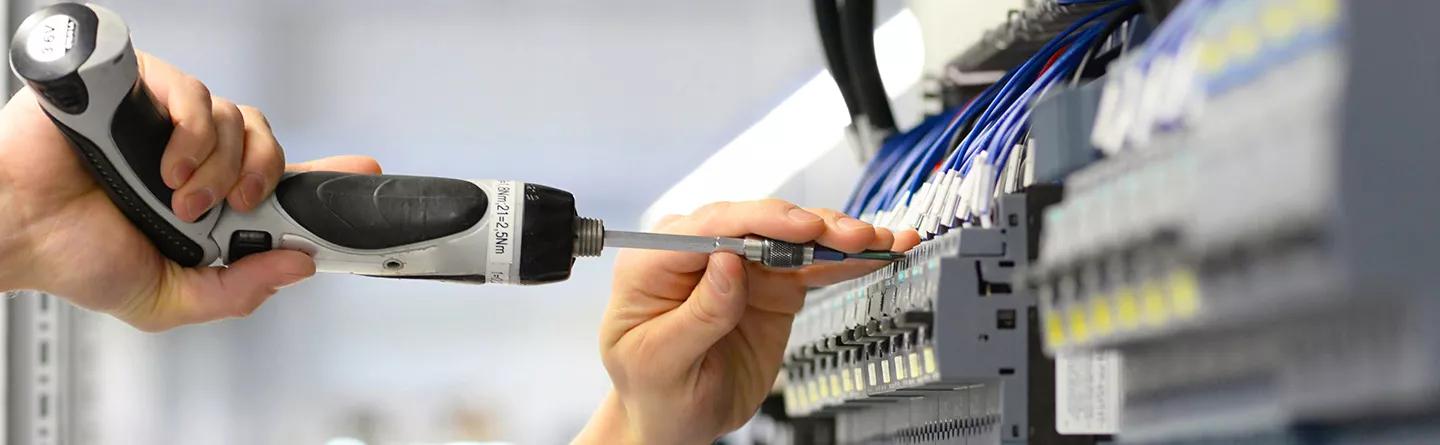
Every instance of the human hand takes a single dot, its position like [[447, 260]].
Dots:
[[694, 342], [61, 234]]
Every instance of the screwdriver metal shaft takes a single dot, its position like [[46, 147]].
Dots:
[[770, 252]]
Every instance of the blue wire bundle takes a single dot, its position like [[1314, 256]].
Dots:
[[910, 166]]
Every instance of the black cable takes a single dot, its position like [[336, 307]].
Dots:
[[827, 19], [857, 18], [1113, 24]]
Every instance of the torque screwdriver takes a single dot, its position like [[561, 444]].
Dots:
[[79, 60]]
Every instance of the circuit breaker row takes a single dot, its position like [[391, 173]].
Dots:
[[935, 348], [867, 336], [1257, 263], [1124, 249]]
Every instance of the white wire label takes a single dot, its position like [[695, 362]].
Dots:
[[52, 38], [503, 219], [1087, 392]]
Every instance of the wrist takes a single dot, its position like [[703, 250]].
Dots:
[[609, 424]]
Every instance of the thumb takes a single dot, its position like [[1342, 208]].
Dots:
[[197, 295], [711, 312]]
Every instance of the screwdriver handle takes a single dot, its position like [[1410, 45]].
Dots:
[[79, 61]]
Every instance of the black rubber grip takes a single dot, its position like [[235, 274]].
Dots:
[[166, 238], [48, 51], [141, 131], [381, 211]]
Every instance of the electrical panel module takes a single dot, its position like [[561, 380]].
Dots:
[[1194, 222]]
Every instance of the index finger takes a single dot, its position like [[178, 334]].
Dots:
[[187, 101]]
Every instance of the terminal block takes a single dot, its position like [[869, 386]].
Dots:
[[1261, 269], [940, 346]]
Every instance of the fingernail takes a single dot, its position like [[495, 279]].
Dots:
[[800, 215], [252, 189], [718, 280], [849, 223], [182, 172], [197, 203]]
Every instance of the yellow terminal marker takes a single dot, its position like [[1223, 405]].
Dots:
[[1279, 23], [1184, 293], [1127, 308], [1152, 297], [1319, 12], [1100, 315], [914, 364], [1079, 330], [1212, 57], [1243, 41], [929, 360], [1054, 331]]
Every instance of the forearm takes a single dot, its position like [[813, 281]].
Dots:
[[609, 425]]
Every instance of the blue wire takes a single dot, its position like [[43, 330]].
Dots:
[[1025, 71], [907, 160], [891, 192], [883, 161], [1019, 117], [904, 142]]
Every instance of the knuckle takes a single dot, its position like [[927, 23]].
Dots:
[[226, 110], [704, 315], [713, 208], [255, 117], [194, 84]]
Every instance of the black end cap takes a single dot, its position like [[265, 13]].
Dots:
[[547, 251]]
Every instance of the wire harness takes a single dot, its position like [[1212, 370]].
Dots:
[[946, 171]]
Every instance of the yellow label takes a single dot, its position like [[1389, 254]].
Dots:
[[899, 368], [1278, 22], [1320, 11], [813, 392], [845, 382], [824, 389], [859, 380], [885, 371], [929, 360], [872, 373], [835, 385], [1243, 41], [1184, 294], [1100, 315], [1127, 308], [914, 364], [1212, 57], [1054, 330], [1153, 299], [1079, 329]]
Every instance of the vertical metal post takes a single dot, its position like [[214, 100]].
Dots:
[[36, 326]]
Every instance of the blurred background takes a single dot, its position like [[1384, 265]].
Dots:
[[614, 101]]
